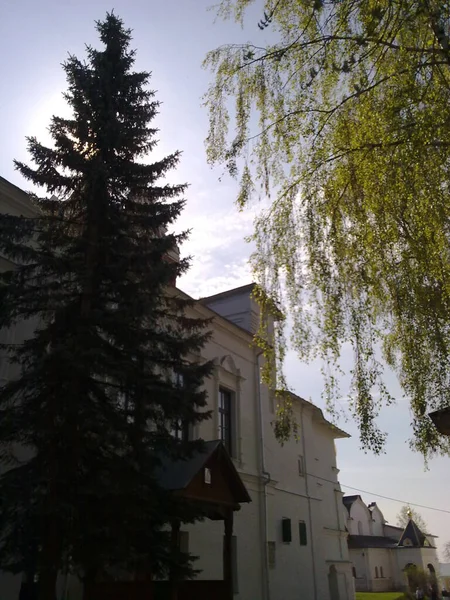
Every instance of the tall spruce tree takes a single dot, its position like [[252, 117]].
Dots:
[[98, 387]]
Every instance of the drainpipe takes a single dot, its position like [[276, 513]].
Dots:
[[264, 479], [314, 571], [336, 502]]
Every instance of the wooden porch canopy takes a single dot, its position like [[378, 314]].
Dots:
[[441, 420], [209, 479]]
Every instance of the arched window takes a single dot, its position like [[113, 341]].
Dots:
[[360, 528], [376, 572], [354, 572], [431, 568], [381, 572]]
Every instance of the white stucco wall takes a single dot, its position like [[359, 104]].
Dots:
[[359, 560], [15, 202], [360, 522], [380, 559], [392, 531], [313, 496], [377, 521]]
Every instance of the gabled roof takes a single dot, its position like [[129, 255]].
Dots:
[[348, 501], [243, 289], [394, 527], [371, 541], [319, 416], [176, 475], [415, 536]]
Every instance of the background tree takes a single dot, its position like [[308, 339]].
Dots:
[[447, 550], [406, 512], [341, 115], [419, 578], [106, 376]]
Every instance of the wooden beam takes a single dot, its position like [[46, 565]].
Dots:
[[227, 554], [175, 544]]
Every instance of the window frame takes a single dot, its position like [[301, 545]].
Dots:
[[180, 430], [286, 530], [301, 465], [226, 419]]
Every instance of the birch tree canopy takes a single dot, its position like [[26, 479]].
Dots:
[[338, 111]]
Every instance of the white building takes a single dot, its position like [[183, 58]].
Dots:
[[381, 553], [291, 540]]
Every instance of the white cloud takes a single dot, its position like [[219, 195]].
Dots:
[[218, 248]]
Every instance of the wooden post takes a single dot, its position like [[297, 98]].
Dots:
[[173, 576], [227, 554]]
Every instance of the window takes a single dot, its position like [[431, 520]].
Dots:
[[301, 466], [376, 572], [302, 533], [7, 336], [207, 476], [271, 554], [225, 419], [381, 572], [121, 397], [180, 431], [354, 572], [177, 379], [286, 533]]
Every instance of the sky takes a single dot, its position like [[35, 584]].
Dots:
[[171, 39]]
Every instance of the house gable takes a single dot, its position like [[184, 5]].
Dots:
[[360, 521], [208, 477]]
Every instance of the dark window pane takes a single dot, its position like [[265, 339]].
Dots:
[[302, 533], [286, 534], [225, 420]]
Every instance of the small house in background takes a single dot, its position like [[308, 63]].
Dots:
[[382, 554]]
